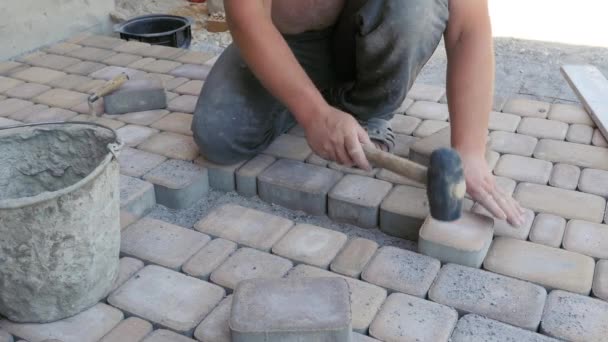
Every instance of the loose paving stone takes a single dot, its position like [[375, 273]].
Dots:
[[316, 160], [179, 184], [503, 122], [167, 298], [575, 318], [4, 122], [191, 71], [160, 66], [127, 267], [221, 177], [113, 124], [353, 170], [7, 67], [550, 267], [565, 176], [297, 186], [289, 147], [356, 200], [110, 72], [102, 42], [84, 68], [399, 270], [26, 112], [587, 238], [570, 114], [132, 329], [133, 135], [210, 257], [548, 230], [403, 124], [190, 88], [175, 122], [10, 106], [475, 328], [465, 241], [428, 110], [215, 327], [121, 59], [5, 337], [248, 263], [594, 181], [136, 163], [38, 75], [523, 169], [403, 211], [52, 61], [7, 83], [247, 227], [575, 154], [503, 228], [145, 118], [598, 139], [161, 243], [171, 145], [289, 310], [408, 318], [136, 196], [26, 91], [88, 326], [600, 280], [543, 129], [354, 257], [311, 245], [402, 145], [512, 143], [565, 203], [61, 98], [92, 54], [580, 134], [525, 107], [246, 175], [50, 115], [421, 150], [470, 290], [430, 127], [184, 103], [394, 178], [426, 92], [195, 57]]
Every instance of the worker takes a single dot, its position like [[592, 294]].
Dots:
[[340, 69]]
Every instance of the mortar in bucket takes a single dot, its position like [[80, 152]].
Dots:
[[59, 219]]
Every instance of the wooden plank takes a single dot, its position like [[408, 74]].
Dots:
[[591, 87]]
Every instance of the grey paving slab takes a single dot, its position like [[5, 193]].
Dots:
[[175, 122], [84, 68], [7, 83], [396, 179], [512, 143], [504, 228], [543, 129], [127, 267], [354, 257], [565, 176], [11, 106], [133, 135], [37, 75], [221, 177], [421, 150], [429, 127], [353, 170], [403, 211], [594, 181], [289, 147], [598, 139], [162, 335], [503, 122], [587, 238], [102, 42], [144, 118], [246, 175], [136, 196], [215, 327], [600, 280], [183, 104], [356, 200], [405, 124], [50, 115], [178, 184], [475, 328], [580, 134], [192, 71], [428, 110], [209, 258], [548, 229], [136, 163], [132, 329], [356, 337], [90, 53], [311, 245]]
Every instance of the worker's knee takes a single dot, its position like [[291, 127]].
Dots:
[[216, 139]]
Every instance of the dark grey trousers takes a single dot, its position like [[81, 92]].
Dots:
[[364, 65]]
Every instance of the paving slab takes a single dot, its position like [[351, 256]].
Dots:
[[465, 241], [404, 124], [354, 257], [429, 127], [594, 181], [84, 68], [404, 271], [167, 298], [408, 318], [421, 150], [503, 122], [121, 59], [316, 160], [526, 107], [90, 54], [356, 337], [289, 147], [404, 106], [402, 145], [20, 115], [548, 229], [162, 335], [598, 139], [475, 328], [7, 67], [138, 64], [132, 329], [353, 170], [209, 258], [247, 227], [428, 110], [109, 72], [133, 135], [4, 122], [504, 228], [311, 245], [543, 129], [171, 145], [356, 199], [512, 143], [426, 92], [246, 175], [160, 66], [127, 267], [61, 48], [366, 299], [72, 82], [113, 124], [565, 176], [600, 280], [471, 290], [102, 42], [565, 203], [145, 118], [10, 106], [175, 122], [7, 83], [221, 177], [396, 179], [574, 154], [192, 71], [25, 91], [178, 184], [37, 75], [136, 163], [183, 104], [587, 238], [580, 134], [523, 169], [575, 318], [175, 82], [88, 326], [190, 88], [297, 186], [194, 57], [550, 267], [50, 115], [136, 196], [131, 47], [161, 243], [403, 211], [52, 61], [571, 114], [247, 263], [215, 327]]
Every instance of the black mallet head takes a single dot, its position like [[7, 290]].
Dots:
[[446, 185]]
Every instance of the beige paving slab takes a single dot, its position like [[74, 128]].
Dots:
[[526, 107], [183, 104], [512, 143], [180, 123], [600, 280], [569, 153], [195, 57], [209, 258], [127, 267], [580, 134], [429, 127], [61, 98], [523, 169], [565, 176], [503, 122], [428, 110], [7, 83], [548, 229], [426, 92], [354, 257], [50, 115], [92, 54], [594, 181], [356, 199], [10, 106], [145, 118], [587, 238], [289, 147], [571, 114], [84, 68], [133, 135], [132, 329], [404, 124], [311, 245], [38, 75], [215, 327], [171, 145], [403, 211], [543, 129]]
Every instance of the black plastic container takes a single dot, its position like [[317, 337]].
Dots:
[[158, 29]]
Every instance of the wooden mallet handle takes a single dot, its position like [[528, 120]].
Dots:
[[400, 166], [109, 87]]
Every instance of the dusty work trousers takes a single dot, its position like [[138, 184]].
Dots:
[[364, 65]]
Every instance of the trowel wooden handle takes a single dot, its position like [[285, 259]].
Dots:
[[109, 87], [400, 166]]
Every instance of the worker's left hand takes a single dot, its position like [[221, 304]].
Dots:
[[481, 186]]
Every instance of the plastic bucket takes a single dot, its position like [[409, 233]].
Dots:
[[158, 29]]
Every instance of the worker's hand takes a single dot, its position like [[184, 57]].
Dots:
[[481, 186], [337, 136]]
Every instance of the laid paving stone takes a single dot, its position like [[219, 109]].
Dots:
[[71, 82], [403, 124], [27, 91], [565, 176], [470, 290], [92, 54], [503, 122], [475, 328], [183, 103], [503, 228], [366, 299], [575, 318], [212, 61], [316, 160], [247, 227], [178, 184], [570, 114], [138, 64], [126, 219], [550, 267], [404, 106], [421, 150], [209, 258], [523, 169], [136, 163], [580, 134], [5, 337], [61, 98], [403, 211], [248, 263], [160, 66], [426, 92], [464, 242], [356, 199], [171, 145], [38, 75], [565, 203], [10, 106], [598, 139], [170, 95], [133, 135], [167, 298], [175, 82], [289, 147], [297, 186], [404, 271], [353, 170], [52, 61], [25, 112], [354, 257], [587, 238], [190, 88], [525, 107], [50, 115], [61, 48], [7, 67], [600, 280], [7, 83], [136, 196], [311, 245], [215, 327], [575, 154], [85, 68], [145, 118], [161, 243], [180, 123], [89, 87], [88, 326], [512, 143], [102, 42], [132, 329], [429, 127], [246, 175], [389, 176], [594, 181], [402, 145], [162, 52], [548, 230], [127, 267], [428, 110], [109, 72], [543, 129], [4, 122], [131, 47], [408, 318], [191, 71], [121, 59], [221, 177], [195, 57]]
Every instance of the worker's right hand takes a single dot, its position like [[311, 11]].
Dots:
[[337, 136]]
